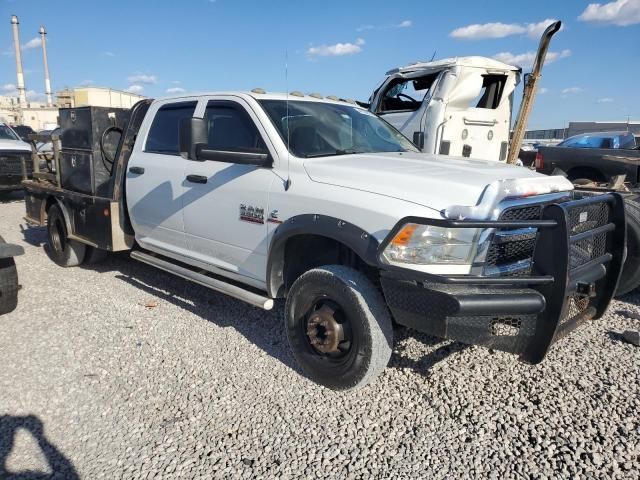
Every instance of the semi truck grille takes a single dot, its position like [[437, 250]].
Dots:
[[11, 163]]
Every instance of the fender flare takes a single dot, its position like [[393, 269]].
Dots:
[[360, 241]]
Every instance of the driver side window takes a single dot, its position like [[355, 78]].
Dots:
[[406, 95]]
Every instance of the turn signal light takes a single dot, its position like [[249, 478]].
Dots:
[[403, 236]]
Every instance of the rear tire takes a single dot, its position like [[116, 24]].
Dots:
[[8, 285], [630, 277], [94, 256], [62, 250], [338, 327]]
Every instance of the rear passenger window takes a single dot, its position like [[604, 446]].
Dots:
[[164, 132], [231, 129]]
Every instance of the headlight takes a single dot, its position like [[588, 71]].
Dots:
[[427, 245]]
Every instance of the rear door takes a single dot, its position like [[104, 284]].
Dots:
[[226, 204], [155, 179]]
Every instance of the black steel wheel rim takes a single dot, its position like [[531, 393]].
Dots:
[[327, 330]]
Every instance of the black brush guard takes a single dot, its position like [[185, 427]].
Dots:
[[576, 265]]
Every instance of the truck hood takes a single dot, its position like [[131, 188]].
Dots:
[[14, 145], [434, 181]]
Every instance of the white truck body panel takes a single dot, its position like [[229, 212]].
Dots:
[[449, 111], [200, 224]]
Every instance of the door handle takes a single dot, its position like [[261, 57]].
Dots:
[[197, 179], [136, 170]]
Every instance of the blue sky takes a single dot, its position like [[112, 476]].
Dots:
[[333, 47]]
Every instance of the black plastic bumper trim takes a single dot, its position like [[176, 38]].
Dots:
[[8, 250]]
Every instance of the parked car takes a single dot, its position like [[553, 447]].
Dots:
[[593, 157], [12, 151], [23, 131]]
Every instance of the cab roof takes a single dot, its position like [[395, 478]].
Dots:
[[474, 62], [259, 94]]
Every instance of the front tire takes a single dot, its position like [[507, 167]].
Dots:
[[630, 277], [8, 285], [338, 327], [62, 250]]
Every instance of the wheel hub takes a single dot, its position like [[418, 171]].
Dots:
[[324, 331]]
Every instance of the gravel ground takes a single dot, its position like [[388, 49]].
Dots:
[[122, 371]]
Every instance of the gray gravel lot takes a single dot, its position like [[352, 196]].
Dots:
[[122, 371]]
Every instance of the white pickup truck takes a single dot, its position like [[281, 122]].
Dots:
[[269, 196]]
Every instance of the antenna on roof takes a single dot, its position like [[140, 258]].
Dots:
[[287, 182], [433, 56]]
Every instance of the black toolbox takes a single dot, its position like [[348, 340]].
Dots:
[[83, 167]]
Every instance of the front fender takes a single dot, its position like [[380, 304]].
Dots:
[[354, 237]]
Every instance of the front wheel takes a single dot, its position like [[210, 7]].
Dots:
[[338, 327]]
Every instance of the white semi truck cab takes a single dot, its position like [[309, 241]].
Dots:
[[322, 204], [457, 106]]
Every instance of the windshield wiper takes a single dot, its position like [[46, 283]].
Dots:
[[332, 154]]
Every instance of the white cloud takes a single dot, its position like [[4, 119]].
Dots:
[[605, 100], [337, 49], [363, 28], [535, 30], [500, 30], [526, 59], [86, 83], [142, 78], [8, 87], [35, 42], [402, 24], [543, 90], [620, 12], [487, 30], [175, 90], [35, 96], [137, 89], [109, 54], [175, 82], [572, 90]]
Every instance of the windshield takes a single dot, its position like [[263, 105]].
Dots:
[[600, 141], [7, 134], [315, 129]]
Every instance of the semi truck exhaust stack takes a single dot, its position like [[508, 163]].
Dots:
[[530, 85]]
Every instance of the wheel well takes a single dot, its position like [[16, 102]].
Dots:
[[305, 252], [586, 172]]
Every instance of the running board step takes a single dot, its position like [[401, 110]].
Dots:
[[204, 280]]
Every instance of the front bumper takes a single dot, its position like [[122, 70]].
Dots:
[[574, 273]]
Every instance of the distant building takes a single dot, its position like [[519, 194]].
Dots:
[[35, 114], [39, 116], [576, 128], [97, 97]]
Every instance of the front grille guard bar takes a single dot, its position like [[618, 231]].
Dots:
[[594, 281]]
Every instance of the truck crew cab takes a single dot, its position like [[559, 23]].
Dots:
[[320, 202]]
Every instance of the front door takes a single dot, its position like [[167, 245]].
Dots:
[[155, 181], [226, 204]]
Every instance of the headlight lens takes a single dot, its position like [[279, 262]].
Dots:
[[430, 245]]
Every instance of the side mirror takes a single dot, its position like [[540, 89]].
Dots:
[[193, 133], [256, 157]]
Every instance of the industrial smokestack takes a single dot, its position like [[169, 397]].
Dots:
[[47, 82], [16, 41]]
